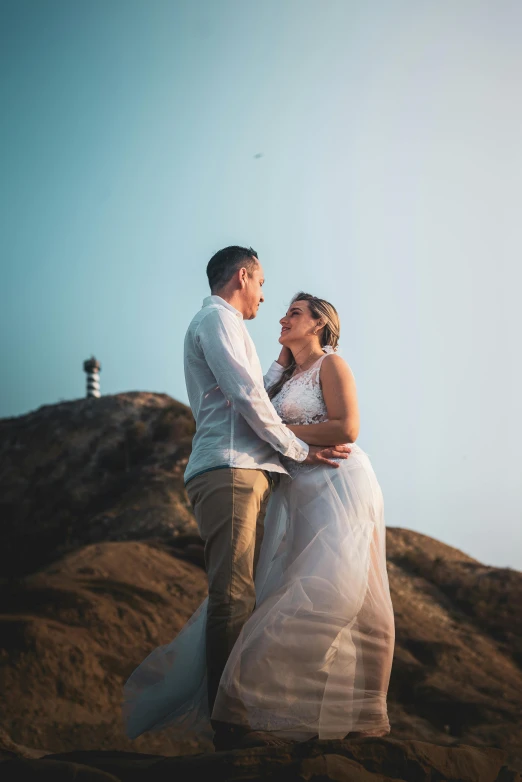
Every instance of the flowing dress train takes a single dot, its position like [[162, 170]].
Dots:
[[315, 656]]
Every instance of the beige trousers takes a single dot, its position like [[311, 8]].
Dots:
[[229, 505]]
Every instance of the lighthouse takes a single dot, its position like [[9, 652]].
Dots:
[[92, 367]]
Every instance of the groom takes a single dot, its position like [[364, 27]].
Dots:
[[234, 461]]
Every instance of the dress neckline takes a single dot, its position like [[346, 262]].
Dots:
[[300, 374]]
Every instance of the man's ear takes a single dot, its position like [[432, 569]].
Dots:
[[243, 274]]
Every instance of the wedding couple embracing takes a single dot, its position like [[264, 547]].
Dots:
[[295, 639]]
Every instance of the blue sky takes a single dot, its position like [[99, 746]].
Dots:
[[389, 183]]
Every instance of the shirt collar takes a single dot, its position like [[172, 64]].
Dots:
[[209, 300]]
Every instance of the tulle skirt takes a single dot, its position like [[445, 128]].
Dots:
[[314, 659]]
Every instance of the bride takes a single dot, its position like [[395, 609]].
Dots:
[[314, 659]]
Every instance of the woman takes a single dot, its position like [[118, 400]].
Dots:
[[314, 659]]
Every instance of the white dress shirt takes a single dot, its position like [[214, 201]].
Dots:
[[236, 423]]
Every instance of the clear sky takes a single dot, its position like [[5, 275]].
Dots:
[[389, 183]]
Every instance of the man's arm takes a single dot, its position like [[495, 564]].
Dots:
[[222, 343], [273, 374]]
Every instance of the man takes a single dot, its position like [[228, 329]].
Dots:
[[234, 458]]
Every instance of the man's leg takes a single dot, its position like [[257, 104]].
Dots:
[[229, 505]]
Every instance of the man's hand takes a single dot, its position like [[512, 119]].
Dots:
[[321, 455]]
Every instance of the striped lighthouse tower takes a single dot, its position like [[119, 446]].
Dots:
[[92, 367]]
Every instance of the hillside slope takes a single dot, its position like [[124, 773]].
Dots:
[[94, 529]]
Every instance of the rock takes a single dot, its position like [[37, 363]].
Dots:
[[330, 767], [10, 749], [358, 760], [52, 770], [75, 631], [101, 562], [92, 470]]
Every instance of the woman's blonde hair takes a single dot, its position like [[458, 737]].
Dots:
[[320, 309]]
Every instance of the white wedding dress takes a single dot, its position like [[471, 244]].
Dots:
[[314, 659]]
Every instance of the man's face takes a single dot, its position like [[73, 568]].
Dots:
[[253, 293]]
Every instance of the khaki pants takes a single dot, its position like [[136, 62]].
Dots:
[[230, 506]]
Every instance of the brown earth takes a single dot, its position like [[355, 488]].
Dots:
[[359, 760], [95, 525], [92, 470]]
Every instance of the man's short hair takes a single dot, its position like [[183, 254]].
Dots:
[[223, 265]]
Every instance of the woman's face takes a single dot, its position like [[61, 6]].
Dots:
[[298, 324]]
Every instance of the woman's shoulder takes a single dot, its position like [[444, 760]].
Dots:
[[331, 360], [334, 366]]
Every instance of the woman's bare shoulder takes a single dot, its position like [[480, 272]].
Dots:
[[334, 363]]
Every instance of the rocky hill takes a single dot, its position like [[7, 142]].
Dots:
[[92, 470], [99, 561]]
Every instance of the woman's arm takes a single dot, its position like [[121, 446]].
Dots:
[[340, 397]]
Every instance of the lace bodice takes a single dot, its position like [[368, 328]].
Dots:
[[300, 401]]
